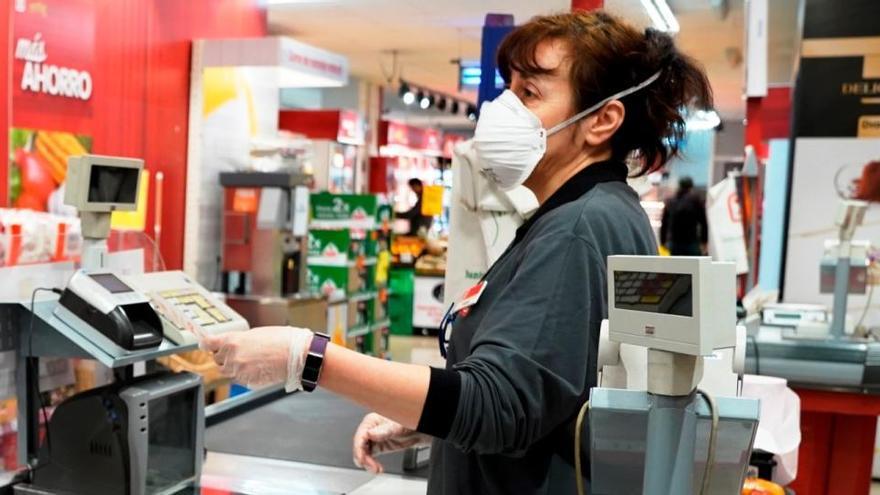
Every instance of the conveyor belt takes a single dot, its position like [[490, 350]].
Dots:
[[314, 428]]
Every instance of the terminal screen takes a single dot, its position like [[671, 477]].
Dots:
[[113, 184], [172, 436], [111, 283], [664, 293]]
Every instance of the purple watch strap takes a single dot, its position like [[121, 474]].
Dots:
[[314, 361]]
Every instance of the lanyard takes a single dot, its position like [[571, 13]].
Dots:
[[443, 334]]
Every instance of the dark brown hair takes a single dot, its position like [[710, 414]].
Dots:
[[608, 55]]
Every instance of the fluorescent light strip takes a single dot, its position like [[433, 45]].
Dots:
[[661, 15], [665, 12]]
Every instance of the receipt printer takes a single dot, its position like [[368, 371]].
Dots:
[[121, 314]]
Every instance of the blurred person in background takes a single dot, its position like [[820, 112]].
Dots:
[[684, 231], [417, 221]]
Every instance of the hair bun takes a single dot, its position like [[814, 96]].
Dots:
[[660, 47]]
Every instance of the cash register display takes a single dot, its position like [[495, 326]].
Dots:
[[113, 184], [665, 293], [172, 433], [111, 283]]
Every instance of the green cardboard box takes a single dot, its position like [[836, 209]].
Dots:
[[331, 281], [329, 247], [354, 211]]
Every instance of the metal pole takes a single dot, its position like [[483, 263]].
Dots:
[[669, 450], [27, 389], [841, 292]]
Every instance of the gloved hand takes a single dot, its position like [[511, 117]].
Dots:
[[377, 435], [261, 356]]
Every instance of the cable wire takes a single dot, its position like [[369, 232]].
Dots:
[[578, 429], [713, 437]]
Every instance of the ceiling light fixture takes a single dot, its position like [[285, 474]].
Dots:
[[661, 15], [425, 101], [472, 113], [406, 94]]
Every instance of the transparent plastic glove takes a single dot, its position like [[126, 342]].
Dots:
[[261, 356], [378, 435]]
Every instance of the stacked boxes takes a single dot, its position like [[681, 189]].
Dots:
[[348, 262]]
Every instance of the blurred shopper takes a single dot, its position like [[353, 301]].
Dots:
[[417, 221], [586, 92], [684, 230]]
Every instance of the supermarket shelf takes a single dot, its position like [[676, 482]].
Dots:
[[358, 331], [363, 296], [358, 297], [381, 324], [367, 262]]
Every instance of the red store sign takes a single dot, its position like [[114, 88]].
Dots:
[[53, 57]]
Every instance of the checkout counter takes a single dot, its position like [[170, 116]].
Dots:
[[832, 365], [148, 434]]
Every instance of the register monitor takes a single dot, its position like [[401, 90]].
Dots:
[[140, 437], [98, 185], [676, 304]]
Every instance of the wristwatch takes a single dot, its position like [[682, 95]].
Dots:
[[314, 361]]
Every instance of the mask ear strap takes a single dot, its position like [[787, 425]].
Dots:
[[616, 96]]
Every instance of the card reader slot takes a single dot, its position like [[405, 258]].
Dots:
[[132, 326]]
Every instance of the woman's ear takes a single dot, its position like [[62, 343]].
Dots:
[[599, 127]]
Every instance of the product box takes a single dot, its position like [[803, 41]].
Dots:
[[329, 247], [384, 215], [336, 281], [353, 211], [359, 248], [330, 281]]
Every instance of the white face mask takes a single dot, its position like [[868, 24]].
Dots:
[[510, 140]]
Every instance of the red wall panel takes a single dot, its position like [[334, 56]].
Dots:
[[5, 95], [172, 27], [587, 4], [140, 102], [768, 118]]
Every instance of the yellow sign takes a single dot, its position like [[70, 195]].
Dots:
[[432, 201], [869, 126], [134, 220]]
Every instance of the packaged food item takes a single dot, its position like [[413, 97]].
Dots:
[[757, 486], [28, 237]]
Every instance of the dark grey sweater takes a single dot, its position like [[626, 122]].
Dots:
[[522, 361]]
